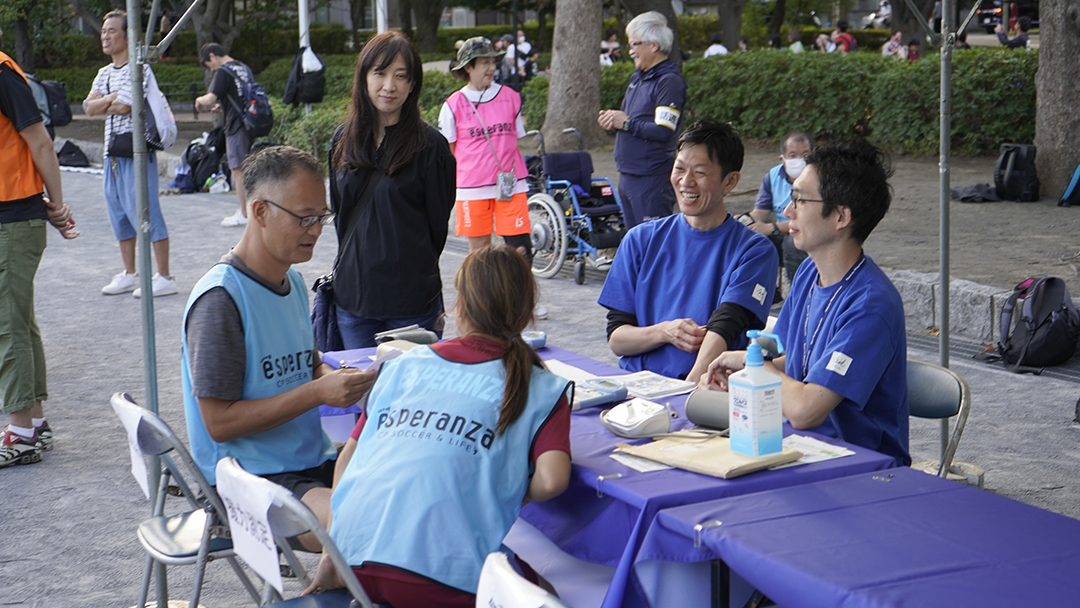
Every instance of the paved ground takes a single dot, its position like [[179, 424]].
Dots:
[[69, 522]]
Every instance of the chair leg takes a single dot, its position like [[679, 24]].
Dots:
[[200, 563], [144, 590], [252, 591]]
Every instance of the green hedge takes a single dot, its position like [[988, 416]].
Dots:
[[891, 102], [613, 82], [79, 80]]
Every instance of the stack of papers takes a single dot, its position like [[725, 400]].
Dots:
[[650, 385]]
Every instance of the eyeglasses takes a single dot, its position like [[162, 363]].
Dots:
[[640, 42], [796, 200], [307, 221]]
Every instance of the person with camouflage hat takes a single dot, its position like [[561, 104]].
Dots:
[[483, 122]]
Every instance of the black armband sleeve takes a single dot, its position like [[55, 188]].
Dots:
[[729, 322], [617, 318]]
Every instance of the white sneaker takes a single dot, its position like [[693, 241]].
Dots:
[[540, 312], [121, 283], [235, 220], [162, 286]]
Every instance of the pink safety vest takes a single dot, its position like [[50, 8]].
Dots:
[[476, 166]]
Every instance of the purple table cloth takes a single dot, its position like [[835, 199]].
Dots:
[[609, 530], [895, 538]]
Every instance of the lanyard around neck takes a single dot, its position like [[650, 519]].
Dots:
[[808, 340]]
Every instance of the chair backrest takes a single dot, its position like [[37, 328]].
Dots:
[[500, 585], [574, 167], [288, 517], [155, 438], [939, 393]]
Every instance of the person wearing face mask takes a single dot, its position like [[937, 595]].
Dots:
[[774, 196]]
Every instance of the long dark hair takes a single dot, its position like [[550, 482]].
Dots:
[[496, 297], [356, 148]]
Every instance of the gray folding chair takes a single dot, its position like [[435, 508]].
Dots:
[[289, 517], [501, 585], [939, 393], [197, 536]]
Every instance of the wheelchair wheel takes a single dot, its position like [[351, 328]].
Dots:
[[579, 271], [548, 235]]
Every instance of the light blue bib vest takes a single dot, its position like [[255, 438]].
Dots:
[[280, 354], [431, 489], [781, 192]]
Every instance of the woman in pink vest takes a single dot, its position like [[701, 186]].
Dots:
[[483, 122]]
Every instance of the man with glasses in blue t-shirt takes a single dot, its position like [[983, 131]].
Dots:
[[845, 370]]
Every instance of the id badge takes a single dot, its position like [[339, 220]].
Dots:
[[505, 181]]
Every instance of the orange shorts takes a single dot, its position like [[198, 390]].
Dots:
[[475, 218]]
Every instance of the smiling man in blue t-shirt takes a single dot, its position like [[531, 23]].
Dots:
[[685, 288], [845, 370]]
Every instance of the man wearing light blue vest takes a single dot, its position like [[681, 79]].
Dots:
[[252, 375], [774, 196]]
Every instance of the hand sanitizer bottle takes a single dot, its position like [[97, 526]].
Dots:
[[755, 412]]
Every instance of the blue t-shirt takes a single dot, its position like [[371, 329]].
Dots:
[[667, 270], [850, 338]]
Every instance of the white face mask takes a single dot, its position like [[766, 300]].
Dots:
[[794, 166]]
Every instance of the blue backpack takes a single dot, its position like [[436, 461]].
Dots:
[[1072, 193], [255, 112]]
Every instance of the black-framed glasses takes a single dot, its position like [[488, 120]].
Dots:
[[796, 200], [640, 42], [307, 221]]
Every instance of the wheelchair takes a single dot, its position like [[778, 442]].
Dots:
[[572, 213]]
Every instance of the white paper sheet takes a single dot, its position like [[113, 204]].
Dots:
[[130, 420], [249, 526]]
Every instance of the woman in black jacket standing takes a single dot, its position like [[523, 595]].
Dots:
[[392, 184]]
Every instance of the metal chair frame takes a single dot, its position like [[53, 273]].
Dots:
[[197, 536], [939, 406]]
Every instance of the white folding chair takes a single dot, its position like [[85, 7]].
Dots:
[[196, 536], [289, 517], [501, 585], [937, 392]]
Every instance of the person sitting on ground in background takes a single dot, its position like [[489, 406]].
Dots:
[[1021, 41], [716, 46], [252, 376], [609, 47], [823, 44], [794, 37], [773, 198], [893, 47], [685, 288], [845, 42], [774, 42], [845, 370], [913, 50], [744, 44], [961, 42], [647, 125], [225, 95], [417, 507]]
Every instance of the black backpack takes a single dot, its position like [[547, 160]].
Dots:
[[208, 159], [1015, 178], [51, 98], [254, 108], [1047, 327], [71, 155]]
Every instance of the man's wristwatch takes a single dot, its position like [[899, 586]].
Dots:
[[626, 125], [775, 230]]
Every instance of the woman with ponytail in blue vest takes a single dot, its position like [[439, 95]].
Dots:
[[456, 437]]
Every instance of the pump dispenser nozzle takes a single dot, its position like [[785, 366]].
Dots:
[[754, 356]]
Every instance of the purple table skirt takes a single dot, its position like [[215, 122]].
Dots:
[[896, 538], [608, 530]]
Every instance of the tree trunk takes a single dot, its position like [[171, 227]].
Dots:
[[574, 93], [356, 13], [428, 14], [540, 44], [24, 45], [731, 22], [91, 18], [777, 20], [664, 8], [1057, 86], [405, 6]]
